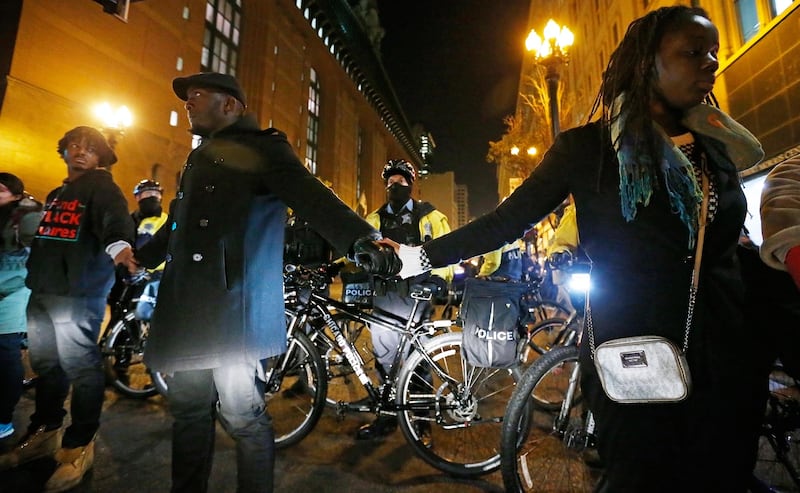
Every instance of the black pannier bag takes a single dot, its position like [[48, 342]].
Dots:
[[489, 317], [357, 288]]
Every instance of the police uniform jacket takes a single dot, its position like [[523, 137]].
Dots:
[[431, 223], [221, 294]]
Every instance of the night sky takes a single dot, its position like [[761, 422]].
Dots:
[[455, 66]]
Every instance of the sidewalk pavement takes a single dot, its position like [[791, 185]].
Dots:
[[133, 456]]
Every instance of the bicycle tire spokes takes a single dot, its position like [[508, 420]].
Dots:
[[464, 408], [123, 354], [546, 448], [344, 387], [778, 465], [295, 391]]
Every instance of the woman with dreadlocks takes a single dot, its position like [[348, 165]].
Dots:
[[636, 175]]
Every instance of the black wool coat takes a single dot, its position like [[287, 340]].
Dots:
[[640, 283], [221, 294], [640, 269]]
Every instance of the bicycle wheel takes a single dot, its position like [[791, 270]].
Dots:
[[295, 391], [778, 464], [123, 352], [463, 416], [540, 452], [343, 384], [542, 310], [542, 337]]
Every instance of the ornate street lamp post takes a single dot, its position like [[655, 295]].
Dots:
[[551, 53], [114, 121]]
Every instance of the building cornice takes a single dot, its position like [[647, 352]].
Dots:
[[353, 49]]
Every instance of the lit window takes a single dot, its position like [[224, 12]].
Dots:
[[752, 192], [186, 13], [778, 6], [221, 37], [748, 18], [312, 134], [173, 118], [179, 64]]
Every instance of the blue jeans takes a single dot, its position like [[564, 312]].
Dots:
[[62, 343], [234, 394], [11, 374]]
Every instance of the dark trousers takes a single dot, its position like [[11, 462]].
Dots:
[[235, 395], [62, 343], [11, 375], [386, 341]]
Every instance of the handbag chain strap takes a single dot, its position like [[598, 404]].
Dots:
[[694, 282]]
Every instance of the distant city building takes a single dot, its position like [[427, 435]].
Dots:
[[462, 205], [440, 190], [426, 146]]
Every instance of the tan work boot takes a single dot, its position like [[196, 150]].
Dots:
[[33, 446], [72, 466]]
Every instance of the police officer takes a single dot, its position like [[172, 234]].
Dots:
[[147, 218], [411, 222], [149, 215], [507, 263]]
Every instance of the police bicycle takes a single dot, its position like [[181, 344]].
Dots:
[[432, 390], [778, 464], [548, 438], [563, 321], [123, 341]]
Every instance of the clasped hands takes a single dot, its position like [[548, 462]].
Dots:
[[387, 258], [125, 258]]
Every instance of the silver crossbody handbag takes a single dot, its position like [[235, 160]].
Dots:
[[649, 369]]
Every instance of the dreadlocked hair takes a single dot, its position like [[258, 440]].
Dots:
[[631, 70]]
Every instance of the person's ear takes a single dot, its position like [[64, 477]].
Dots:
[[233, 105]]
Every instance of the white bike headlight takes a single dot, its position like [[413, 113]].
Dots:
[[579, 282]]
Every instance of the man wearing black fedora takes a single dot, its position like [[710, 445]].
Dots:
[[219, 312]]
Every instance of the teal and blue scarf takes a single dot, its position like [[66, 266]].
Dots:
[[637, 174]]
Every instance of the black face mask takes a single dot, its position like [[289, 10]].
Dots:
[[149, 207], [398, 195]]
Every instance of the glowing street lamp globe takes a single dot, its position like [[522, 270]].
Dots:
[[551, 51]]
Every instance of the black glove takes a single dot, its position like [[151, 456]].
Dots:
[[437, 285], [559, 260], [375, 259]]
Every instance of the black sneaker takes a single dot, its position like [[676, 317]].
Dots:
[[423, 430], [382, 426]]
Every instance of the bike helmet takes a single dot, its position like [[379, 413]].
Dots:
[[399, 167], [145, 185]]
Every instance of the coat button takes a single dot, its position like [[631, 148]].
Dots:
[[168, 258], [188, 165], [197, 257], [180, 195], [204, 223], [210, 188]]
